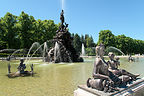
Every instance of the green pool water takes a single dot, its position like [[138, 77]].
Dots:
[[54, 79]]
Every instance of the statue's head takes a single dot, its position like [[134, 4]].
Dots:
[[62, 12], [22, 60], [8, 58], [111, 55], [100, 50], [117, 58]]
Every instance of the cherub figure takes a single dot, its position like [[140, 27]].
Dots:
[[113, 67]]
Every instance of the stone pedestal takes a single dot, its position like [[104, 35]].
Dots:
[[134, 89]]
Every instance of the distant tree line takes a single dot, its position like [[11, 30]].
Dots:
[[87, 41], [18, 32], [125, 44], [22, 31]]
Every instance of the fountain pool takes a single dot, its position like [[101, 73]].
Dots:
[[54, 79]]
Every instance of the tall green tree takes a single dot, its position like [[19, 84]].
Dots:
[[3, 43], [9, 30], [107, 38], [50, 29], [26, 24], [122, 42], [89, 42], [77, 43], [38, 29], [82, 39], [22, 31]]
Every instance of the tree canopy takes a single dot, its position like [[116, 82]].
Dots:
[[22, 31], [125, 44], [87, 41]]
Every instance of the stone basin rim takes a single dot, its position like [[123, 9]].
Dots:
[[97, 92]]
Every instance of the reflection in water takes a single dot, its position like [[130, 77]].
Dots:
[[54, 79]]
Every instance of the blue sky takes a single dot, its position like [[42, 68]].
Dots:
[[86, 16]]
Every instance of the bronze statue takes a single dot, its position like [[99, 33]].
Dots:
[[113, 63], [66, 50], [62, 17], [113, 67], [131, 59], [63, 26], [22, 66], [21, 70], [103, 78]]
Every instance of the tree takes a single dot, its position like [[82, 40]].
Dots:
[[125, 44], [77, 43], [25, 30], [50, 29], [90, 52], [89, 42], [107, 38], [9, 30], [82, 39], [38, 29]]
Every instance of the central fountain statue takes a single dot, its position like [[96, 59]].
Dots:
[[63, 51]]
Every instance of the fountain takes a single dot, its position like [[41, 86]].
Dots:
[[83, 50], [63, 51], [7, 50], [45, 50], [62, 4], [21, 70], [57, 54], [35, 44], [39, 48], [116, 49], [108, 79], [12, 56]]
